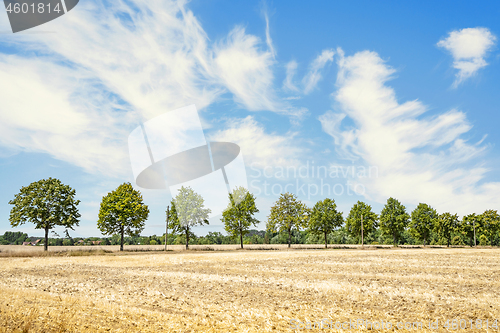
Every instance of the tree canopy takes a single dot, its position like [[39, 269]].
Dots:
[[445, 225], [238, 216], [490, 224], [325, 218], [190, 210], [394, 219], [422, 222], [122, 212], [353, 221], [46, 203], [287, 214]]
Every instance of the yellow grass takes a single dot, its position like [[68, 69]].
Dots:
[[246, 291]]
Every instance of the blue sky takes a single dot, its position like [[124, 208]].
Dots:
[[408, 90]]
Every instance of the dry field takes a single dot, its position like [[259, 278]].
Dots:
[[247, 291]]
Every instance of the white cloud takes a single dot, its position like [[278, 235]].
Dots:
[[259, 148], [291, 69], [314, 75], [111, 66], [41, 112], [246, 71], [418, 158], [468, 48]]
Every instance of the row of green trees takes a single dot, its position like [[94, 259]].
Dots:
[[49, 203], [424, 224]]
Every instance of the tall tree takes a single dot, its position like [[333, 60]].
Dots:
[[325, 218], [422, 222], [490, 224], [394, 219], [191, 210], [46, 203], [353, 221], [467, 226], [445, 225], [288, 213], [122, 212], [238, 216]]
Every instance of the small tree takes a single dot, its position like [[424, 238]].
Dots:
[[122, 212], [288, 213], [325, 219], [46, 203], [422, 222], [445, 225], [190, 210], [172, 221], [353, 221], [467, 226], [237, 217], [394, 219]]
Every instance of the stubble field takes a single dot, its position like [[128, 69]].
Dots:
[[248, 291]]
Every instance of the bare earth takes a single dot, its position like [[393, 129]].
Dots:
[[250, 291]]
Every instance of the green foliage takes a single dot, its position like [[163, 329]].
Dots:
[[353, 221], [490, 224], [394, 219], [483, 240], [445, 225], [457, 240], [15, 238], [173, 225], [324, 219], [422, 222], [122, 212], [190, 210], [46, 203], [238, 216], [287, 214], [466, 227]]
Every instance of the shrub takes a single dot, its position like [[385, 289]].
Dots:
[[483, 240]]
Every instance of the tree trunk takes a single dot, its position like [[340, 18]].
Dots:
[[326, 241], [187, 238], [289, 237], [241, 238], [121, 239], [46, 245]]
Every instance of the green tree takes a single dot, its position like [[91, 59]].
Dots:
[[325, 219], [353, 221], [46, 203], [190, 210], [490, 224], [467, 226], [287, 214], [422, 222], [122, 212], [238, 216], [172, 221], [445, 225], [394, 219]]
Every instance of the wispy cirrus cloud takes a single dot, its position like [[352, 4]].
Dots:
[[314, 75], [468, 48], [418, 157], [291, 70], [113, 65]]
